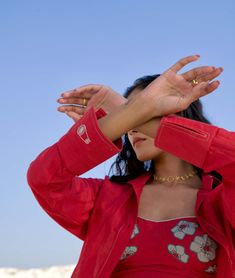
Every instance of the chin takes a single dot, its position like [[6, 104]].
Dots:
[[148, 156], [143, 159]]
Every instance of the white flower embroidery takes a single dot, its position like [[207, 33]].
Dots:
[[211, 269], [129, 251], [135, 232], [204, 247], [184, 228], [178, 252]]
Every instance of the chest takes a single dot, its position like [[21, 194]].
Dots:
[[166, 203]]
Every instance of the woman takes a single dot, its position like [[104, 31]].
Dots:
[[159, 216]]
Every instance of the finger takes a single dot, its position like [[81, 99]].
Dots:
[[196, 72], [83, 91], [72, 108], [78, 93], [74, 116], [210, 76], [211, 87], [183, 62], [83, 88], [69, 100], [204, 88]]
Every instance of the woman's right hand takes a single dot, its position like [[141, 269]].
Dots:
[[173, 92], [76, 102]]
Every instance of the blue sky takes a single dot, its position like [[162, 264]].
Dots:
[[48, 47]]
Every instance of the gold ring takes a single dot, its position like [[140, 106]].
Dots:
[[195, 81], [84, 102]]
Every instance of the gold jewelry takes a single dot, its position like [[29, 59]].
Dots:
[[195, 81], [84, 102], [175, 178]]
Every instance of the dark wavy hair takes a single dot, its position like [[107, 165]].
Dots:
[[126, 166]]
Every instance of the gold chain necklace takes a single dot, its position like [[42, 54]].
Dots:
[[175, 178]]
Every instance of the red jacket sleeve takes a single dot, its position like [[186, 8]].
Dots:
[[53, 175], [205, 146]]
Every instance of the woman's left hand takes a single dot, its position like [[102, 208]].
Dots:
[[173, 92]]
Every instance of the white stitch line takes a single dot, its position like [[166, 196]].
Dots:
[[191, 216]]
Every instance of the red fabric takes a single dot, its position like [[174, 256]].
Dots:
[[103, 213], [173, 248]]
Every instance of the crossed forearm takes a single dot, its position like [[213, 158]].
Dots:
[[129, 116]]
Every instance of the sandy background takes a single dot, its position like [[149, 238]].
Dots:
[[51, 272]]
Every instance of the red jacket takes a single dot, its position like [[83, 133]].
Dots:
[[103, 213]]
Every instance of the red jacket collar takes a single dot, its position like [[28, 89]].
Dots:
[[139, 182]]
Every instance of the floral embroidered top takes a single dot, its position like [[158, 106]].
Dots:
[[171, 248]]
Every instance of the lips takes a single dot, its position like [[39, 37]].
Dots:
[[138, 139]]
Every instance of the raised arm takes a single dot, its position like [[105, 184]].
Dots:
[[170, 93], [206, 146], [54, 175]]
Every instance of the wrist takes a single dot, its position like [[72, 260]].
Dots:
[[113, 102], [142, 106], [120, 100]]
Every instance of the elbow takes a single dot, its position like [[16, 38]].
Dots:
[[31, 175]]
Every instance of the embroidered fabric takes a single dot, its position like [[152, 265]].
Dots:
[[170, 248]]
